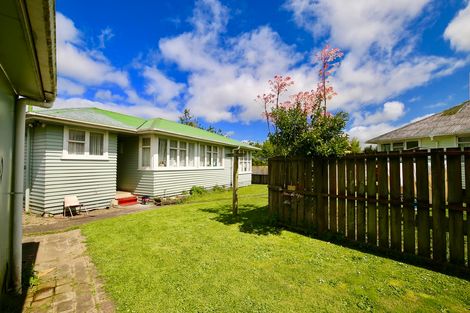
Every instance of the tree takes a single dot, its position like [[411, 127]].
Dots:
[[188, 119], [302, 125], [355, 146], [260, 157]]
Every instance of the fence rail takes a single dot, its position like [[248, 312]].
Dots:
[[413, 202]]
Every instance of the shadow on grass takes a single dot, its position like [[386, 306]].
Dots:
[[12, 302], [252, 219]]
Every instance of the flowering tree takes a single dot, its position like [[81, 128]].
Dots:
[[302, 125]]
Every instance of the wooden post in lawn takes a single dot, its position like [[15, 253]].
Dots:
[[235, 183]]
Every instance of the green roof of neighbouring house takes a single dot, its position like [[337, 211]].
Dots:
[[453, 121], [129, 123]]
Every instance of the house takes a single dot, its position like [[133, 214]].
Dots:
[[27, 77], [92, 153], [447, 129]]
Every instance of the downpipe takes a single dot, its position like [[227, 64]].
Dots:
[[18, 191]]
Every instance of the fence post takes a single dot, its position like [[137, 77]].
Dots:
[[438, 206], [351, 203], [467, 199], [332, 192], [342, 196], [322, 205]]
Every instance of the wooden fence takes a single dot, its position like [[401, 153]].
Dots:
[[259, 175], [409, 202]]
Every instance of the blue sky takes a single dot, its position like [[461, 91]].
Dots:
[[403, 59]]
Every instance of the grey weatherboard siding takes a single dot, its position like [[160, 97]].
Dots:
[[168, 182], [52, 177]]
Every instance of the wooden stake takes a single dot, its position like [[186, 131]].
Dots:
[[235, 184]]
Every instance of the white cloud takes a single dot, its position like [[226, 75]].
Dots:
[[380, 62], [107, 95], [364, 133], [142, 109], [422, 117], [76, 62], [390, 112], [458, 30], [105, 35], [160, 86], [69, 88]]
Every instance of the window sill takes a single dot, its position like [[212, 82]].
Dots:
[[170, 169], [85, 157]]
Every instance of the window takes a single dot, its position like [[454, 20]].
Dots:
[[162, 152], [173, 153], [211, 156], [411, 145], [397, 146], [76, 142], [386, 147], [146, 152], [84, 144], [463, 142], [191, 155], [182, 153], [244, 162], [96, 143]]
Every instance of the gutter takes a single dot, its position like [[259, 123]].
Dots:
[[18, 191]]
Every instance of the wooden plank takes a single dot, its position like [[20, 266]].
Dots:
[[322, 212], [324, 193], [422, 197], [301, 187], [350, 203], [293, 165], [409, 232], [308, 200], [372, 200], [438, 206], [333, 207], [395, 205], [383, 200], [342, 194], [361, 190], [454, 199], [467, 200]]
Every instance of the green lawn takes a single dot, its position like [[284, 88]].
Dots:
[[195, 257]]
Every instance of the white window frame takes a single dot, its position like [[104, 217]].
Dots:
[[141, 139], [86, 155], [245, 159]]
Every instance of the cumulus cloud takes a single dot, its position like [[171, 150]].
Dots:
[[76, 62], [379, 62], [69, 88], [390, 112], [458, 30], [143, 109], [160, 86], [364, 133]]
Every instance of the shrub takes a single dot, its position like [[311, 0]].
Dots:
[[197, 190], [218, 188]]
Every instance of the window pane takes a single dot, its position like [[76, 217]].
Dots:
[[411, 144], [173, 154], [76, 148], [145, 156], [145, 142], [191, 154], [96, 143], [221, 156], [76, 135], [202, 155], [215, 159], [209, 157], [173, 144], [386, 147], [182, 157], [397, 146], [162, 152], [183, 145]]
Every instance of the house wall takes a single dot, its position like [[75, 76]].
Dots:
[[439, 142], [7, 104], [168, 182], [53, 177]]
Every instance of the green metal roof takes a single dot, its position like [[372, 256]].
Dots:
[[126, 122]]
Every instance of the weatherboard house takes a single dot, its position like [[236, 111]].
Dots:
[[92, 153], [447, 129]]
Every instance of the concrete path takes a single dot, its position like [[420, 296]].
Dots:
[[67, 279], [33, 224]]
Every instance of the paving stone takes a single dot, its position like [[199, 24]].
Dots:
[[43, 293], [65, 306]]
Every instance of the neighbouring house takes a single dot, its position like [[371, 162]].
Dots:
[[447, 129], [27, 77], [93, 153]]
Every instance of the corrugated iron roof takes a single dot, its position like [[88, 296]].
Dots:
[[139, 125], [453, 121]]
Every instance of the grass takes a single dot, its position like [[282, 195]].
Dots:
[[196, 257]]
